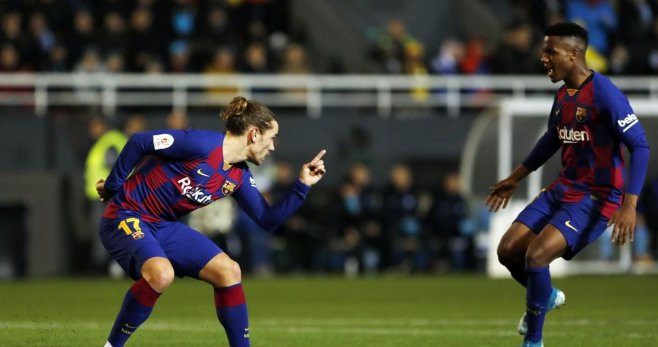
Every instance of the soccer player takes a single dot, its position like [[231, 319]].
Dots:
[[175, 172], [589, 120]]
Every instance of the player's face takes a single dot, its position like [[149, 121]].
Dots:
[[263, 143], [557, 57]]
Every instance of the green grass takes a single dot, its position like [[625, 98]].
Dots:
[[331, 311]]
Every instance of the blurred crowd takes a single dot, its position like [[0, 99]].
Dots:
[[255, 36], [623, 40], [148, 36]]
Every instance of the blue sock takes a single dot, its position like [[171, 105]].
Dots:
[[137, 306], [537, 295], [232, 313]]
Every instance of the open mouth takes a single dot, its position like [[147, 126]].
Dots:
[[549, 71]]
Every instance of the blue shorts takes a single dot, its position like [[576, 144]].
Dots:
[[131, 241], [580, 222]]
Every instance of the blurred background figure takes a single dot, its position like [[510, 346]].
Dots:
[[402, 220], [107, 144], [177, 119], [447, 219], [358, 245]]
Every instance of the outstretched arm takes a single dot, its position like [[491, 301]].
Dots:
[[501, 192], [270, 217]]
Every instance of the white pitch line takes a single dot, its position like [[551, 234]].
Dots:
[[331, 327]]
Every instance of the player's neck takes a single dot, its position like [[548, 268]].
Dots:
[[234, 148], [577, 77]]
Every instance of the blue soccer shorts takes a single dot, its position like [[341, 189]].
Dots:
[[580, 222], [131, 241]]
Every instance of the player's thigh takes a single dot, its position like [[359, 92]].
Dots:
[[187, 249], [515, 241], [130, 242], [580, 223], [546, 247], [530, 222]]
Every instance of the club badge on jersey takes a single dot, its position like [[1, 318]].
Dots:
[[228, 188], [581, 114]]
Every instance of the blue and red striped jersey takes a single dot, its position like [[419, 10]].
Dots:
[[177, 171], [590, 124]]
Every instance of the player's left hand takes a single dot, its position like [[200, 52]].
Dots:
[[103, 194], [313, 171], [623, 222]]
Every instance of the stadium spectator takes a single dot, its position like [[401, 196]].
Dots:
[[516, 55], [389, 46], [447, 218], [223, 62], [13, 35], [115, 32], [256, 59], [179, 57], [114, 62], [356, 246], [448, 58], [42, 40], [177, 119], [600, 20], [10, 59], [402, 242], [82, 37], [144, 42]]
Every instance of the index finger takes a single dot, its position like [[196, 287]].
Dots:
[[318, 156]]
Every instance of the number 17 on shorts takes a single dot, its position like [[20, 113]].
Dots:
[[130, 226]]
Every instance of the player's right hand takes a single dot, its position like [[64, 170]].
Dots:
[[500, 193], [100, 189]]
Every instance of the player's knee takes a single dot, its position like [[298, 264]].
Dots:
[[230, 271], [506, 254], [536, 257], [159, 278]]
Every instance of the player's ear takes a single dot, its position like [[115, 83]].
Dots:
[[252, 134]]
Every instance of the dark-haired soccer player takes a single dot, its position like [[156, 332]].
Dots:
[[589, 120], [175, 172]]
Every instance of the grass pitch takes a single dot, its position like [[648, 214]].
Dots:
[[331, 311]]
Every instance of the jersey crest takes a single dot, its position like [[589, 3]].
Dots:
[[228, 188], [581, 114]]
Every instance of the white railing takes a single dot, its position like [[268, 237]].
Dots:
[[312, 92]]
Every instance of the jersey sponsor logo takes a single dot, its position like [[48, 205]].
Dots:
[[628, 122], [572, 136], [196, 193], [162, 141], [201, 173], [568, 224], [228, 188], [252, 181], [581, 114]]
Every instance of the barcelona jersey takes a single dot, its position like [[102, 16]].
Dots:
[[590, 124], [177, 171]]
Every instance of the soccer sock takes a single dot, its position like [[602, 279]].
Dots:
[[137, 306], [232, 313], [537, 295]]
